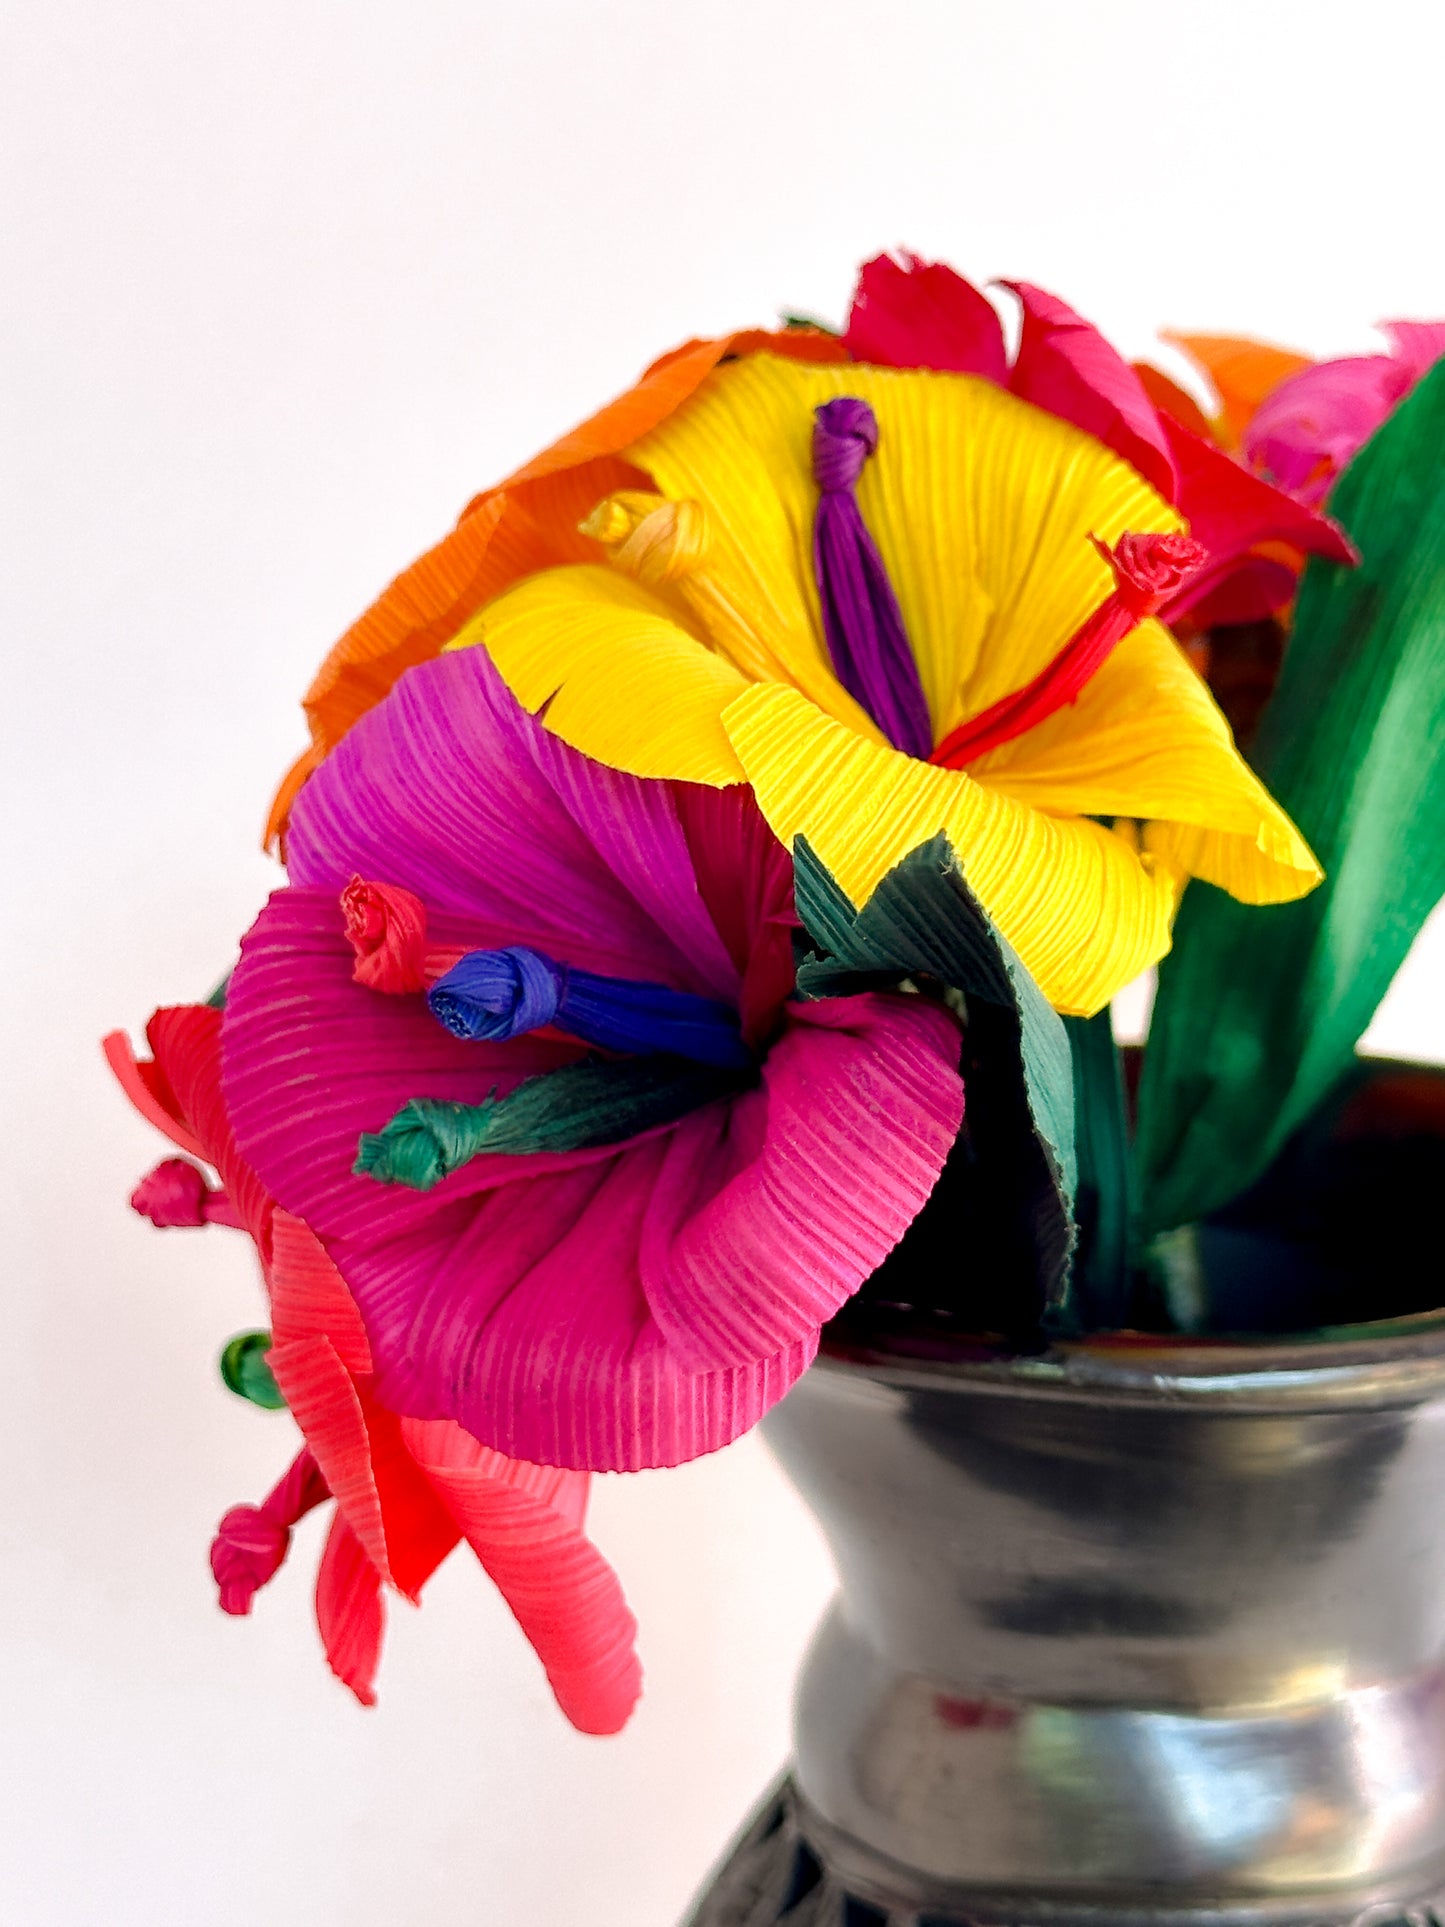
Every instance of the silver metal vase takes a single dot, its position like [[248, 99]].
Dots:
[[1152, 1636]]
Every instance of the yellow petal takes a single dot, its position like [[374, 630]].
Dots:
[[981, 505], [1145, 739], [1084, 911], [619, 676]]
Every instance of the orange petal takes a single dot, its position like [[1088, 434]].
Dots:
[[1169, 396], [1243, 373]]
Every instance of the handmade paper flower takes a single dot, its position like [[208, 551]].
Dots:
[[1298, 423], [597, 1190], [406, 1490]]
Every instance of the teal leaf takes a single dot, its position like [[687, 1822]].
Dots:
[[1260, 1009], [246, 1372], [594, 1102], [924, 924]]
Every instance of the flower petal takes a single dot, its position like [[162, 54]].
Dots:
[[769, 1212], [1107, 755], [453, 792], [908, 313], [617, 675], [1066, 366], [1242, 373], [981, 506], [1084, 913], [349, 1614], [524, 1522]]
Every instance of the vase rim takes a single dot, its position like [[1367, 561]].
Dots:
[[1400, 1361]]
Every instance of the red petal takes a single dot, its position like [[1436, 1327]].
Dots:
[[1231, 511], [524, 1522], [349, 1612], [1065, 365], [920, 314]]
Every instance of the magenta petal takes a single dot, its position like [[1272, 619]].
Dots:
[[919, 314], [1310, 427], [768, 1213], [1066, 366], [450, 789], [1418, 345]]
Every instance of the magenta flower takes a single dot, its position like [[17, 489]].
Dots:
[[621, 1304], [1312, 425]]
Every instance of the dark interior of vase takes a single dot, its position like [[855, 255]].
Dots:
[[1343, 1229]]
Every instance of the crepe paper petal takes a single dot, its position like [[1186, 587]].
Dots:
[[580, 1107], [565, 856], [981, 508], [1148, 572], [745, 877], [766, 1216], [252, 1541], [175, 1193], [867, 642], [1067, 367], [357, 1442], [350, 1615], [1100, 1286], [1206, 812], [1168, 396], [1231, 512], [908, 313], [529, 523], [245, 1372], [386, 928], [1306, 432], [923, 921], [495, 994], [138, 1079], [1242, 372], [1074, 900], [1257, 1019], [1416, 344], [1253, 590], [309, 1298], [652, 712], [524, 1522]]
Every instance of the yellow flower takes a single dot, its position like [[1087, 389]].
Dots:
[[694, 648]]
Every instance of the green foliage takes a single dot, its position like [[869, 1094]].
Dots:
[[924, 923], [1259, 1009]]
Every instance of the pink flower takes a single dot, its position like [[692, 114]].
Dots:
[[1310, 427], [634, 1300], [406, 1491]]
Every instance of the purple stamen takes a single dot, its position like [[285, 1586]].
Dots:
[[861, 617]]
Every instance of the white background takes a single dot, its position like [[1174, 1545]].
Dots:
[[284, 284]]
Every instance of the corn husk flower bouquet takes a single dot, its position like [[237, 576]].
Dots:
[[705, 890]]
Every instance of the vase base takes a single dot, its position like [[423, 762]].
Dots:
[[788, 1869]]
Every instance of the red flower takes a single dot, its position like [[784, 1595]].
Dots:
[[406, 1490]]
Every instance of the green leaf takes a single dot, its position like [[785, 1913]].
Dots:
[[1259, 1009], [923, 922], [246, 1373], [594, 1102]]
